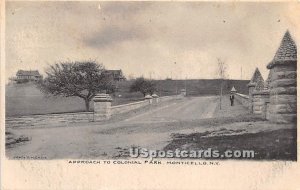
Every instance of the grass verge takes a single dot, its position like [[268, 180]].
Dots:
[[279, 144]]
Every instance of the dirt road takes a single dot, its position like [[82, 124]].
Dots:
[[151, 129], [189, 109]]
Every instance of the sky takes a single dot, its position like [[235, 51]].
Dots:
[[151, 39]]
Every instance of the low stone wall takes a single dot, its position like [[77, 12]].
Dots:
[[48, 119], [63, 119], [136, 105], [167, 98], [128, 107], [243, 99]]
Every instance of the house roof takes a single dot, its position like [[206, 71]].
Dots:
[[287, 51], [30, 73]]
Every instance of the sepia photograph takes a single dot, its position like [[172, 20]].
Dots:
[[198, 81]]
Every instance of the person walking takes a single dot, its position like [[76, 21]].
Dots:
[[231, 99]]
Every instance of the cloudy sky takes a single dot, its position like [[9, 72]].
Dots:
[[161, 39]]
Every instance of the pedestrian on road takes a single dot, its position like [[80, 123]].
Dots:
[[231, 99]]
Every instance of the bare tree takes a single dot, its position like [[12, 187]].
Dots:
[[222, 74], [131, 77], [81, 79]]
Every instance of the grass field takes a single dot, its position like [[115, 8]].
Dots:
[[26, 99], [269, 145]]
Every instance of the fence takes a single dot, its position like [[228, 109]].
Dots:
[[243, 99]]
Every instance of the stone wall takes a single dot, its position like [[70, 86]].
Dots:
[[136, 105], [167, 98], [103, 111], [128, 107], [243, 99], [49, 119]]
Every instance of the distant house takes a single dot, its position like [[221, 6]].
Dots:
[[116, 74], [27, 76]]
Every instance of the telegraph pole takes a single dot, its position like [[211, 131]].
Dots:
[[176, 79], [241, 73], [185, 83]]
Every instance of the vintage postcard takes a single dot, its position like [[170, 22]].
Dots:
[[106, 94]]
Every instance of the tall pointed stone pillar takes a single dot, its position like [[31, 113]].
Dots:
[[283, 85], [251, 86], [233, 90]]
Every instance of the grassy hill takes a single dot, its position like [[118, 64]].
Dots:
[[26, 99]]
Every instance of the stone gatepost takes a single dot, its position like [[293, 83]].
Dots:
[[260, 97], [183, 92], [102, 107], [260, 101], [155, 98], [251, 86], [283, 85], [149, 98]]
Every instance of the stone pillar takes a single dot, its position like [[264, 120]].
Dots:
[[283, 93], [260, 101], [251, 87], [256, 77], [183, 92], [102, 107], [283, 85], [149, 98], [155, 98], [233, 90]]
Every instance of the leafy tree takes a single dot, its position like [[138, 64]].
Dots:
[[143, 85], [81, 79]]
